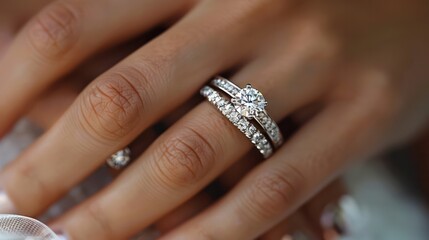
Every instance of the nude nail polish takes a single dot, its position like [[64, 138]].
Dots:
[[295, 236], [6, 205], [61, 235]]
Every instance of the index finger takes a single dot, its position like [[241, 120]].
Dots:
[[61, 36]]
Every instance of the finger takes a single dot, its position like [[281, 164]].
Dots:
[[123, 102], [208, 196], [5, 39], [316, 154], [320, 208], [52, 106], [239, 169], [315, 212], [180, 163], [58, 98], [61, 36], [183, 213], [296, 227]]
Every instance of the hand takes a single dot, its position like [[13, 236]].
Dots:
[[333, 59], [315, 220]]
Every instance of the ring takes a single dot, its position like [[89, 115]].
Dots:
[[242, 123], [250, 103], [120, 159]]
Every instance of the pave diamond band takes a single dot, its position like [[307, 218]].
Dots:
[[251, 104], [242, 123]]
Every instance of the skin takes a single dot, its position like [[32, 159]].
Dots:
[[362, 63], [54, 102]]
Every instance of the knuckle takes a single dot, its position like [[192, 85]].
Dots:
[[113, 106], [272, 193], [185, 158], [55, 30]]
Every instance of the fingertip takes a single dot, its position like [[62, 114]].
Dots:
[[6, 204]]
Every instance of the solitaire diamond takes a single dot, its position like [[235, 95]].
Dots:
[[249, 101]]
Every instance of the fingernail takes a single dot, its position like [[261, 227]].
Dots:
[[6, 205], [332, 218], [340, 217], [61, 235], [296, 236]]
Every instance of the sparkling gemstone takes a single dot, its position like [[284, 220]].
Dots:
[[242, 124], [256, 137], [221, 102], [234, 117], [226, 109], [249, 101]]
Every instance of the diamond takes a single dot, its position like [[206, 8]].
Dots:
[[221, 102], [234, 117], [243, 124], [226, 109], [256, 137], [249, 101], [219, 81]]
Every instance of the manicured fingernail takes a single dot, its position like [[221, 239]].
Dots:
[[6, 205], [333, 218], [61, 235], [296, 236], [341, 217]]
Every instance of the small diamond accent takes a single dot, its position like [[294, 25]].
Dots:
[[257, 137], [234, 117], [243, 124]]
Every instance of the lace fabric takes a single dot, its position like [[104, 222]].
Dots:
[[13, 227]]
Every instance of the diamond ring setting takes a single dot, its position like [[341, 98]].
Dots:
[[246, 110], [251, 104], [242, 123]]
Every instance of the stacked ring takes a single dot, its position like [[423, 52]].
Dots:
[[242, 123], [246, 104], [251, 104]]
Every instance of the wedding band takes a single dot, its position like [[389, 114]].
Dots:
[[120, 159], [242, 123], [250, 103]]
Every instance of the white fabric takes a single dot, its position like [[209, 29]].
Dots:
[[14, 227]]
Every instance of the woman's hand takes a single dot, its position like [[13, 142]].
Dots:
[[358, 69]]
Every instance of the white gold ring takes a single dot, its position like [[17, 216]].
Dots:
[[242, 123], [250, 103]]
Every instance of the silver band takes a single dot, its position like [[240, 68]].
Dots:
[[120, 159], [262, 117], [242, 123]]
